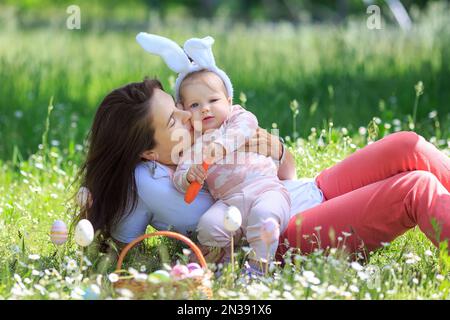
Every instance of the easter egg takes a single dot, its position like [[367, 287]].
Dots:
[[270, 231], [84, 233], [179, 271], [58, 232], [193, 266], [232, 219], [196, 273], [84, 198], [159, 276]]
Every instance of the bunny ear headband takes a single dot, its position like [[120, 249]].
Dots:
[[177, 59]]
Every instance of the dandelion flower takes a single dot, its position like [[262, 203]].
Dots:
[[356, 266], [34, 257], [113, 277], [363, 276], [53, 295], [69, 280], [288, 296], [311, 278], [71, 265], [354, 288], [133, 271], [17, 277], [432, 114], [77, 293]]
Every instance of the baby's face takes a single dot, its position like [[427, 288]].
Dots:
[[204, 96]]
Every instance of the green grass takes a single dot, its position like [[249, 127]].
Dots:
[[351, 84], [35, 192], [347, 74]]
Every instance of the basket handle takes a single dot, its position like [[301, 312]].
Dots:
[[170, 234]]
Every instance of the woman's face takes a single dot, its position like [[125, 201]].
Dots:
[[173, 130]]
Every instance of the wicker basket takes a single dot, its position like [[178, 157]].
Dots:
[[198, 287]]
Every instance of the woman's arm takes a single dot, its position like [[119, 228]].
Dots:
[[286, 170], [161, 206], [179, 179], [270, 145]]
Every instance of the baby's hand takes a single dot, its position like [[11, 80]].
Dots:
[[196, 173]]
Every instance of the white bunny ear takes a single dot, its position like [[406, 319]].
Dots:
[[200, 51], [172, 54]]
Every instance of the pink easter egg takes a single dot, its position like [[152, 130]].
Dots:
[[179, 272], [58, 232], [196, 273], [193, 266], [270, 231]]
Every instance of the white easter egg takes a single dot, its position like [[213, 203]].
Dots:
[[58, 232], [233, 219], [270, 231], [84, 233], [84, 197]]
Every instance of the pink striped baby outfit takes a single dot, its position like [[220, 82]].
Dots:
[[246, 180]]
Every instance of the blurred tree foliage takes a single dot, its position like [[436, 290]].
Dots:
[[242, 10]]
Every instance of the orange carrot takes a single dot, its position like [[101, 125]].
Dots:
[[194, 188]]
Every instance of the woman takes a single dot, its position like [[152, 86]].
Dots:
[[374, 195]]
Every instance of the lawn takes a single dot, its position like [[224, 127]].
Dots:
[[330, 90], [36, 191]]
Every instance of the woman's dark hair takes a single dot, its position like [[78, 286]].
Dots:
[[122, 129]]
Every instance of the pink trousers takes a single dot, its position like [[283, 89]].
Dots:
[[375, 195]]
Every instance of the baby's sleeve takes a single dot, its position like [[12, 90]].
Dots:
[[179, 177], [240, 126]]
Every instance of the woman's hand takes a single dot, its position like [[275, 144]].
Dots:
[[270, 145], [265, 144]]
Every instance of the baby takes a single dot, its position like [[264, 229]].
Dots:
[[248, 181]]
